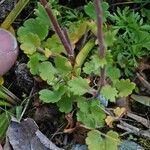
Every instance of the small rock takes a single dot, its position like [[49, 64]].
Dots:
[[79, 147], [129, 145], [24, 78], [5, 7], [103, 100]]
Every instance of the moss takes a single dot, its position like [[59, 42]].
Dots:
[[144, 143]]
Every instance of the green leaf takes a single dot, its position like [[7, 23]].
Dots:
[[110, 37], [4, 103], [34, 63], [109, 93], [5, 118], [63, 65], [112, 141], [90, 10], [145, 100], [47, 71], [54, 45], [89, 68], [65, 104], [94, 65], [42, 16], [144, 39], [78, 86], [90, 114], [83, 104], [80, 58], [125, 87], [99, 63], [35, 27], [86, 119], [113, 73], [29, 43], [48, 96], [95, 141], [146, 13], [1, 80], [98, 115], [19, 110], [77, 30]]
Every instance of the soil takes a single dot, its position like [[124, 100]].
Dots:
[[20, 82], [5, 7]]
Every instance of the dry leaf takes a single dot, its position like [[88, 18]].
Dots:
[[119, 112], [26, 136], [69, 128], [109, 120]]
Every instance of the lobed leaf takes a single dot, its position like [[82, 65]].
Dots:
[[49, 96], [91, 115], [90, 10], [54, 44], [109, 93], [125, 87], [113, 73], [95, 141], [78, 86], [94, 65], [65, 104], [42, 16], [35, 27], [29, 43], [47, 71], [63, 65], [34, 63]]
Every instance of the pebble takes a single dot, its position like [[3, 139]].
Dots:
[[129, 145], [79, 147]]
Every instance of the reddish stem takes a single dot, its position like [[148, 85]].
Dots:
[[100, 37], [57, 29]]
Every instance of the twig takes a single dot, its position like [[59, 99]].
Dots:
[[10, 94], [67, 37], [40, 50], [100, 37], [143, 81], [58, 30], [1, 2], [139, 119], [127, 3], [26, 105], [129, 128], [57, 131]]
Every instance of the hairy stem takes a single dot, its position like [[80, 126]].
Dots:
[[100, 37], [67, 37], [64, 40]]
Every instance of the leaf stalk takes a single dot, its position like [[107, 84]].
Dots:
[[100, 37], [64, 38]]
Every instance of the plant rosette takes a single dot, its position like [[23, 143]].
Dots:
[[8, 51]]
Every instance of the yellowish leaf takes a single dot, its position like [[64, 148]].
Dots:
[[109, 120], [1, 80], [78, 33], [47, 52], [119, 112]]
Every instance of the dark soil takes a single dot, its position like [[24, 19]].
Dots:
[[20, 82]]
